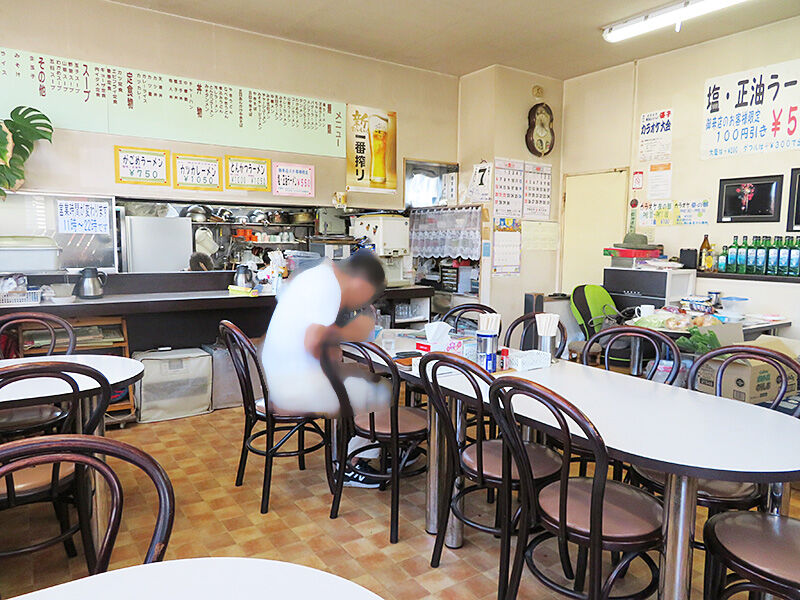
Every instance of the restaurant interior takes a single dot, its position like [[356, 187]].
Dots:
[[400, 300]]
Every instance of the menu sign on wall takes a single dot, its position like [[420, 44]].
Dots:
[[752, 111], [293, 180], [245, 173], [144, 166], [193, 172], [102, 98]]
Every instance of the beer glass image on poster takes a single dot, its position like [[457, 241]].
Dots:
[[371, 150]]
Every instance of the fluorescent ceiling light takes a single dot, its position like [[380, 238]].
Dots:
[[666, 16]]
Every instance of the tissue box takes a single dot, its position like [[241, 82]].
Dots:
[[527, 360], [450, 345]]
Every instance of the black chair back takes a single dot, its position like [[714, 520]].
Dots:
[[49, 322], [730, 354], [81, 450], [528, 323], [457, 312], [63, 371], [244, 356], [502, 395], [659, 341], [431, 368]]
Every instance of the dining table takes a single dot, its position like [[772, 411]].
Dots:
[[208, 579], [684, 433]]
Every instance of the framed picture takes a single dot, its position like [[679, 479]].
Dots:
[[793, 220], [750, 199]]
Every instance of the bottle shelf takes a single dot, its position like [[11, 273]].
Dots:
[[748, 277]]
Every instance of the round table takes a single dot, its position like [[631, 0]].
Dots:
[[209, 579], [119, 371]]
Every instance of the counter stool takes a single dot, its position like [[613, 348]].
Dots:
[[481, 461], [258, 410], [396, 431], [34, 419], [57, 484], [528, 322], [594, 513]]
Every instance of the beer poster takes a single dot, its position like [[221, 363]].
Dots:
[[371, 150]]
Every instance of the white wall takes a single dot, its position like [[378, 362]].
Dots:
[[601, 113], [95, 30]]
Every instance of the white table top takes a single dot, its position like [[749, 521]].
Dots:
[[119, 371], [653, 424], [209, 579]]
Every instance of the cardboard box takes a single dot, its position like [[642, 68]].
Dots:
[[751, 381]]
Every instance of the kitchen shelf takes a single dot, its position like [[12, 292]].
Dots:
[[411, 320], [245, 225], [297, 243], [748, 277]]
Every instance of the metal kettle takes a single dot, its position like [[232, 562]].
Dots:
[[243, 277], [90, 283]]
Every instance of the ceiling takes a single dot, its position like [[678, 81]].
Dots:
[[558, 38]]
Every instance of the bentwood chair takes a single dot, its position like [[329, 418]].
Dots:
[[34, 419], [662, 346], [395, 431], [594, 513], [78, 453], [759, 548], [58, 486], [479, 462], [258, 410], [456, 313], [528, 323]]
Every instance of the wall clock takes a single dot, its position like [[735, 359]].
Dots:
[[540, 136]]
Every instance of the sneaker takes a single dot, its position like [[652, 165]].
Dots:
[[362, 479]]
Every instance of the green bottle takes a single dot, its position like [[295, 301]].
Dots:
[[730, 264], [761, 256], [772, 256], [794, 259], [741, 256], [751, 255], [783, 258], [722, 260]]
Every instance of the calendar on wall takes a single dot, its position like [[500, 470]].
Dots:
[[537, 191], [509, 179]]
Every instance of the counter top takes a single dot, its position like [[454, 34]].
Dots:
[[153, 302]]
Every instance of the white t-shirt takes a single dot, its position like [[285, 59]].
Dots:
[[312, 297]]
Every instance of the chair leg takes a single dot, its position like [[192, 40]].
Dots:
[[301, 445], [82, 500], [268, 467], [395, 512], [444, 515], [713, 572], [339, 483], [580, 568], [248, 429], [503, 519], [329, 475], [62, 514]]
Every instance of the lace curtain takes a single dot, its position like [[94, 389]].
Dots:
[[446, 232]]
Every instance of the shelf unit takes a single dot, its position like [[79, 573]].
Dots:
[[119, 348], [748, 277], [243, 225]]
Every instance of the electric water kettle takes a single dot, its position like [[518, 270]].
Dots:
[[90, 283]]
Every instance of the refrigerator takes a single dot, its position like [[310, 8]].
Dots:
[[158, 244]]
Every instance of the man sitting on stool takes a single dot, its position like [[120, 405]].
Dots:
[[327, 301]]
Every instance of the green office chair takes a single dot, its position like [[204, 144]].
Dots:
[[592, 306]]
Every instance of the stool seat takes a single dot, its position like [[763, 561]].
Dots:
[[707, 489], [544, 461], [768, 545], [629, 514]]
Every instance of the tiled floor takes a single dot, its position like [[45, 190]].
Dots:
[[214, 518]]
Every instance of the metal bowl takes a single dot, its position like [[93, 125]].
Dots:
[[196, 213]]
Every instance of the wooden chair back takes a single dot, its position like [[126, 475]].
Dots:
[[608, 337], [46, 321], [528, 323]]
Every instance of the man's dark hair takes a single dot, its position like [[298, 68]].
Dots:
[[366, 265]]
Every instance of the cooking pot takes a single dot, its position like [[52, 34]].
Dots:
[[257, 216], [196, 212], [225, 214], [278, 217], [303, 217]]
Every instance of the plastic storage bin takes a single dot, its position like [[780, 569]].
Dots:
[[226, 391], [176, 383]]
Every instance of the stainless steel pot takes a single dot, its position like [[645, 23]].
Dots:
[[198, 214]]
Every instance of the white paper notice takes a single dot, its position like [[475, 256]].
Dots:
[[83, 217], [659, 182], [480, 184], [509, 183], [540, 235], [538, 188], [655, 136]]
